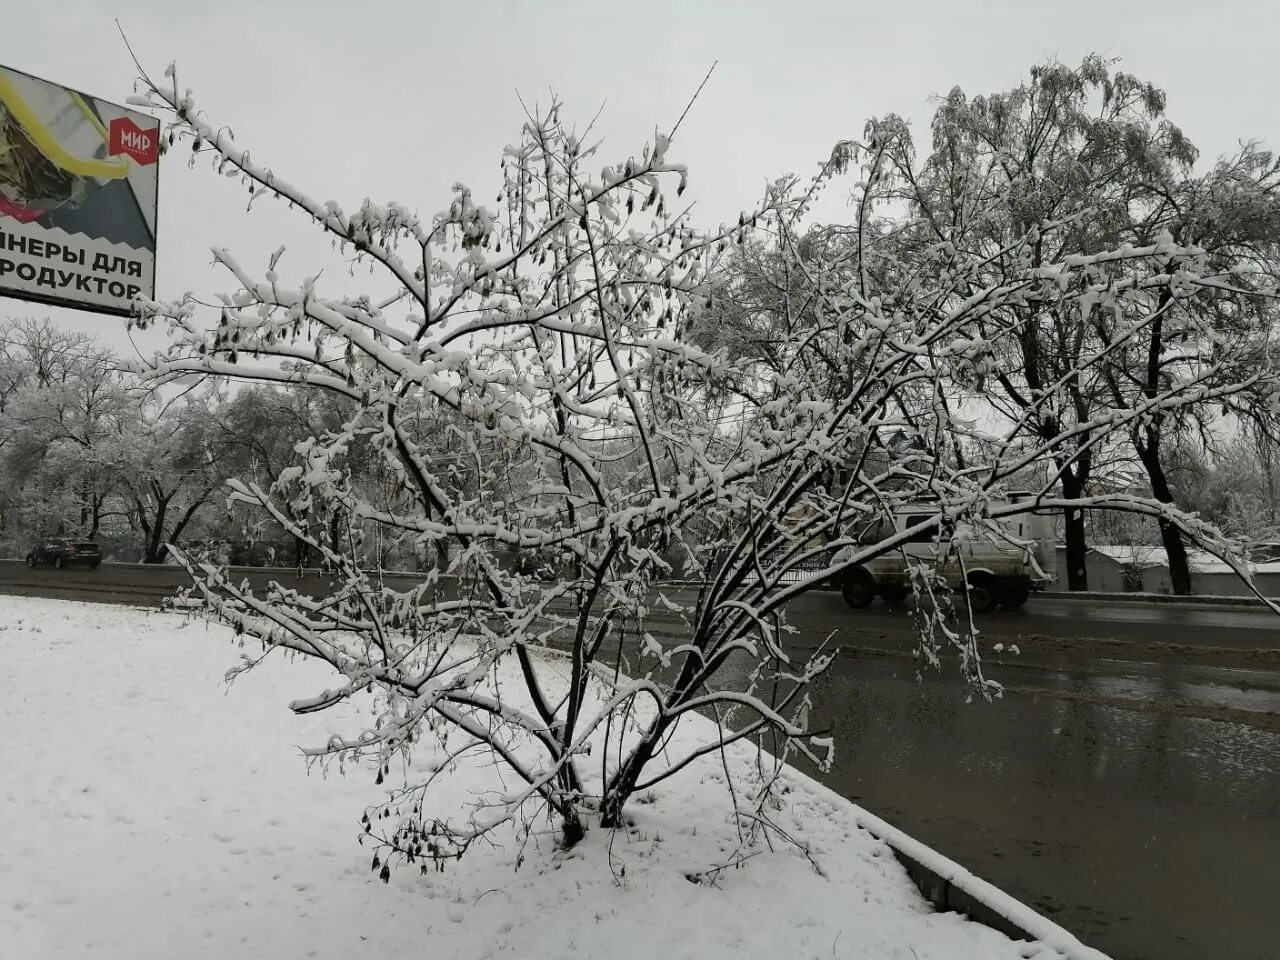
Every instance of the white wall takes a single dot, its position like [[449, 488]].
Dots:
[[1108, 576]]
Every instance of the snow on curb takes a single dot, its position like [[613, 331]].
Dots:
[[1020, 917]]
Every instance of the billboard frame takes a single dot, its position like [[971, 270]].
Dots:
[[70, 304]]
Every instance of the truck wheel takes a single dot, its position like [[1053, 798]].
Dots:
[[31, 560], [858, 589], [894, 597], [982, 593], [1014, 598]]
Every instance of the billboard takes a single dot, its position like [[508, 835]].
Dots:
[[78, 188]]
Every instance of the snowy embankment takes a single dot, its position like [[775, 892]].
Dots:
[[152, 812]]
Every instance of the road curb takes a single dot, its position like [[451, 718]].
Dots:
[[1163, 598], [951, 887]]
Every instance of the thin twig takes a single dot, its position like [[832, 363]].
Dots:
[[687, 106]]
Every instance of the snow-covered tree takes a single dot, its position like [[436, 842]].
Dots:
[[1083, 144], [166, 474], [1089, 146], [1204, 337], [557, 330], [60, 430]]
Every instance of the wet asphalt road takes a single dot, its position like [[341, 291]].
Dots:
[[1127, 784], [1147, 832]]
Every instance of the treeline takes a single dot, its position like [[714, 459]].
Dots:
[[85, 452], [1075, 166], [1075, 169]]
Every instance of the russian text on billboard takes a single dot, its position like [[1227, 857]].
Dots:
[[78, 188]]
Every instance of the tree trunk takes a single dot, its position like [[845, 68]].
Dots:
[[1170, 535], [143, 525], [155, 544], [335, 531], [572, 830], [624, 782], [96, 518], [1073, 528], [181, 525], [1146, 441]]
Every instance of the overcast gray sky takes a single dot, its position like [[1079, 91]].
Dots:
[[397, 100]]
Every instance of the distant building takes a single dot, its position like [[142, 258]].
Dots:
[[1121, 568]]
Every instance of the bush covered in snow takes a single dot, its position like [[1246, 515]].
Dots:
[[554, 341]]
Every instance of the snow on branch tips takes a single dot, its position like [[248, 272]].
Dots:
[[572, 393]]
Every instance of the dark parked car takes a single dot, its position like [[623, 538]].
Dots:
[[64, 552]]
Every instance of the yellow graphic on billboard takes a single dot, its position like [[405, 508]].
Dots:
[[77, 196]]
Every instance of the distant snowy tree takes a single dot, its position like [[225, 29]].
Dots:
[[1089, 152], [166, 474], [1202, 337], [61, 422], [557, 329]]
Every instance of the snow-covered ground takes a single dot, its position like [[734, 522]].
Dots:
[[151, 812]]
